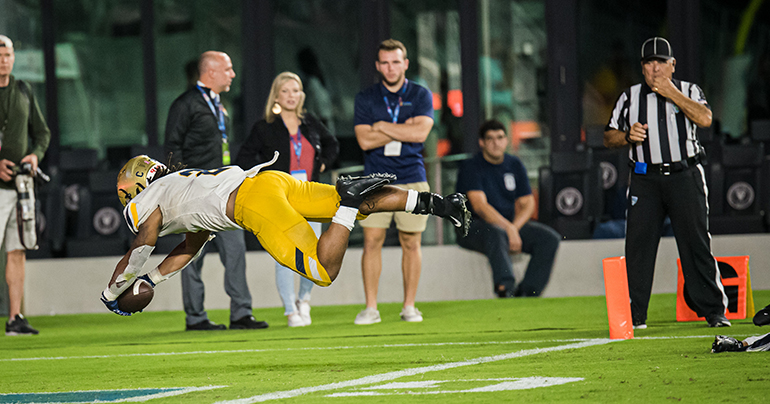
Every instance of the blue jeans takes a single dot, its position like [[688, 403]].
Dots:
[[284, 281], [538, 240]]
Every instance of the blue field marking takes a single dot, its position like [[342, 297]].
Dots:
[[102, 396]]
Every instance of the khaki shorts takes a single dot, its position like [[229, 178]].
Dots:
[[406, 222], [8, 225]]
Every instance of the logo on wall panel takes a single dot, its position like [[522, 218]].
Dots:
[[569, 201], [740, 195], [106, 221], [72, 197], [609, 174]]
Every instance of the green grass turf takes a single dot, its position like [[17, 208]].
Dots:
[[668, 362]]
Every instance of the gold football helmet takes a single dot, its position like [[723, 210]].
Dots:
[[136, 175]]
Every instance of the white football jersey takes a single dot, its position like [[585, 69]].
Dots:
[[190, 200]]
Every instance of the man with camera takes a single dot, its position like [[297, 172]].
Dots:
[[20, 120]]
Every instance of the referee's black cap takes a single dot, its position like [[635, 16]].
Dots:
[[656, 48]]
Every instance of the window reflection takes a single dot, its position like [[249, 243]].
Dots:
[[512, 75], [185, 29], [101, 99], [319, 41]]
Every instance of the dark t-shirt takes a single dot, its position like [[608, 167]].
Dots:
[[370, 107], [502, 183]]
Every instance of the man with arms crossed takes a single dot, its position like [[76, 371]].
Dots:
[[392, 120]]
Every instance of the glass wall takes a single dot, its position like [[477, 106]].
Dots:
[[611, 34], [20, 21], [310, 41], [99, 73], [185, 29], [430, 30], [735, 62], [512, 75]]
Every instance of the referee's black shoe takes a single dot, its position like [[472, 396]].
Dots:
[[717, 320], [353, 190], [762, 317]]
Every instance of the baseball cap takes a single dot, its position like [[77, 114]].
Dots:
[[5, 41], [656, 48]]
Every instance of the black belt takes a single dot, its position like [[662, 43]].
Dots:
[[668, 168]]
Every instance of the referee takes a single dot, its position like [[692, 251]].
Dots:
[[658, 119]]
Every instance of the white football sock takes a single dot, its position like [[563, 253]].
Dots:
[[346, 216], [411, 200]]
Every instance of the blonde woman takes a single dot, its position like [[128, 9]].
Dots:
[[306, 149]]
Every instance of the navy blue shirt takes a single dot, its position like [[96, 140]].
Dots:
[[502, 183], [370, 107]]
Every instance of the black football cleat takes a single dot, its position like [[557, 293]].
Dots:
[[353, 190], [726, 344], [762, 317], [452, 207]]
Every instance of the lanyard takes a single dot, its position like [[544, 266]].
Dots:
[[394, 115], [217, 111], [297, 143]]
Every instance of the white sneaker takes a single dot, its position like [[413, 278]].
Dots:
[[295, 320], [304, 311], [411, 314], [368, 316]]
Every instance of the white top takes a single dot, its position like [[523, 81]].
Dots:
[[191, 200]]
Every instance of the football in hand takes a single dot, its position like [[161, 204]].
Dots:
[[137, 297]]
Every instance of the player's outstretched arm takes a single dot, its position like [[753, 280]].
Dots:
[[183, 253], [131, 264]]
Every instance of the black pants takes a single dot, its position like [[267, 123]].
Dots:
[[683, 197], [538, 240]]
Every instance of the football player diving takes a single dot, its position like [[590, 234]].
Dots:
[[271, 204]]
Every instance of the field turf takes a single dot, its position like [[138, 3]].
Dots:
[[487, 351]]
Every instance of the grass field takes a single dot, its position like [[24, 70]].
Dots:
[[489, 351]]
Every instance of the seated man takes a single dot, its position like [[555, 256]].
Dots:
[[502, 204], [272, 204], [756, 343]]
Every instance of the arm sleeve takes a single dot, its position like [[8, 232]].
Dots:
[[177, 124], [41, 135], [522, 180], [697, 94], [424, 104], [619, 118]]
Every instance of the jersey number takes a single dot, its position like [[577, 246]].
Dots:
[[197, 173]]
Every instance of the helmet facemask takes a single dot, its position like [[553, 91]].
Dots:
[[136, 175]]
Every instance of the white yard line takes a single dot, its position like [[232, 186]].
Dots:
[[410, 372], [437, 344]]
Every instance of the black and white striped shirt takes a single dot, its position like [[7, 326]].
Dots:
[[671, 136]]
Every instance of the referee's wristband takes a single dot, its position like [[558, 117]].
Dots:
[[628, 138]]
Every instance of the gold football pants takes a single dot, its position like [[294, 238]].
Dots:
[[276, 207]]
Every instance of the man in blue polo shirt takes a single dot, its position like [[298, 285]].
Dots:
[[392, 120], [502, 205]]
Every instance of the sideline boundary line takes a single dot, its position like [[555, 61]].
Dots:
[[238, 351], [410, 372]]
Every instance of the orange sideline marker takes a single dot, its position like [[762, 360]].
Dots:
[[618, 300], [735, 277]]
